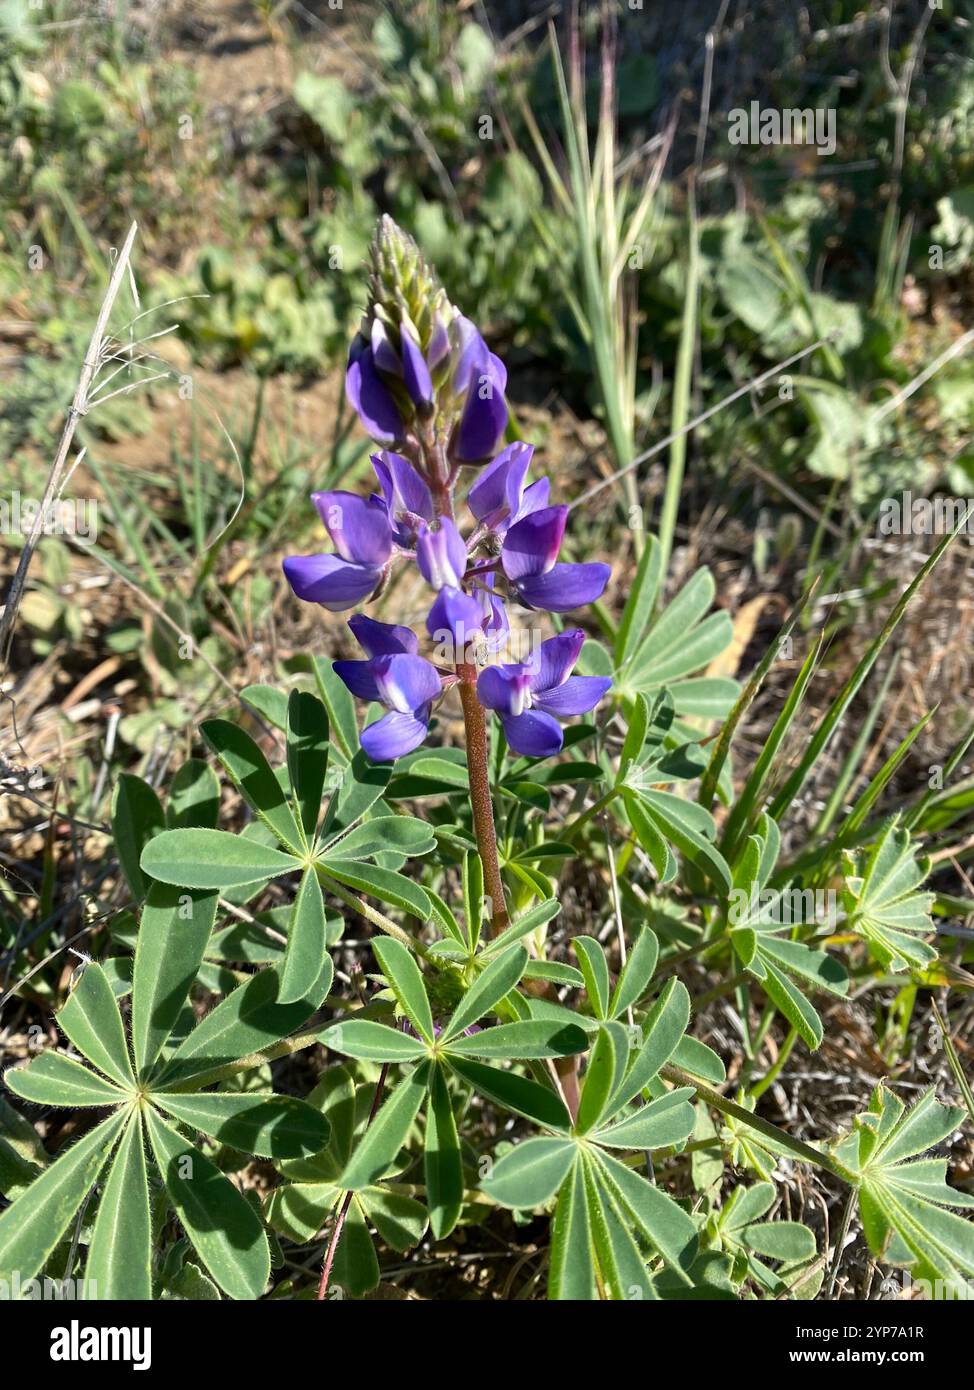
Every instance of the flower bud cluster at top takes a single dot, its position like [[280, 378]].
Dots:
[[429, 390]]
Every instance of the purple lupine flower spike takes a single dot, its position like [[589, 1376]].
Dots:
[[406, 684], [415, 372], [362, 535], [455, 623], [528, 559], [528, 696]]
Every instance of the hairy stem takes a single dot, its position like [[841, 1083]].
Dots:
[[475, 726], [340, 1219]]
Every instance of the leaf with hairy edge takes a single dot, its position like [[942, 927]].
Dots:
[[531, 1173], [658, 1218], [372, 1042], [572, 1271], [254, 778], [306, 940], [269, 1125], [384, 884], [592, 963], [363, 782], [53, 1079], [524, 1040], [120, 1254], [664, 1027], [657, 1125], [406, 982], [307, 757], [605, 1070], [248, 1020], [90, 1018], [636, 974], [535, 917], [401, 834], [622, 1265], [387, 1133], [221, 1224], [442, 1164], [173, 936], [490, 987], [137, 816], [212, 859], [515, 1092], [338, 701], [884, 904], [194, 797], [30, 1229]]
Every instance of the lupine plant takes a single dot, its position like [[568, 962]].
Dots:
[[480, 1061]]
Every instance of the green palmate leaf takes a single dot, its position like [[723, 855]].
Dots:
[[660, 1220], [780, 1240], [690, 828], [532, 1038], [515, 1092], [384, 884], [657, 1125], [789, 999], [267, 701], [252, 775], [649, 837], [884, 905], [120, 1254], [622, 1265], [387, 1133], [306, 940], [53, 1079], [247, 1021], [32, 1226], [363, 782], [903, 1201], [594, 968], [406, 982], [307, 757], [270, 1125], [340, 705], [400, 1220], [401, 834], [223, 1227], [572, 1270], [137, 816], [700, 1060], [530, 1174], [90, 1018], [491, 986], [373, 1042], [194, 797], [173, 936], [442, 1165], [664, 1028], [602, 1075], [636, 974], [212, 859]]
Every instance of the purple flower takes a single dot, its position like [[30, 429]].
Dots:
[[361, 532], [370, 396], [407, 496], [481, 378], [528, 560], [441, 554], [456, 622], [499, 497], [527, 697], [406, 684]]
